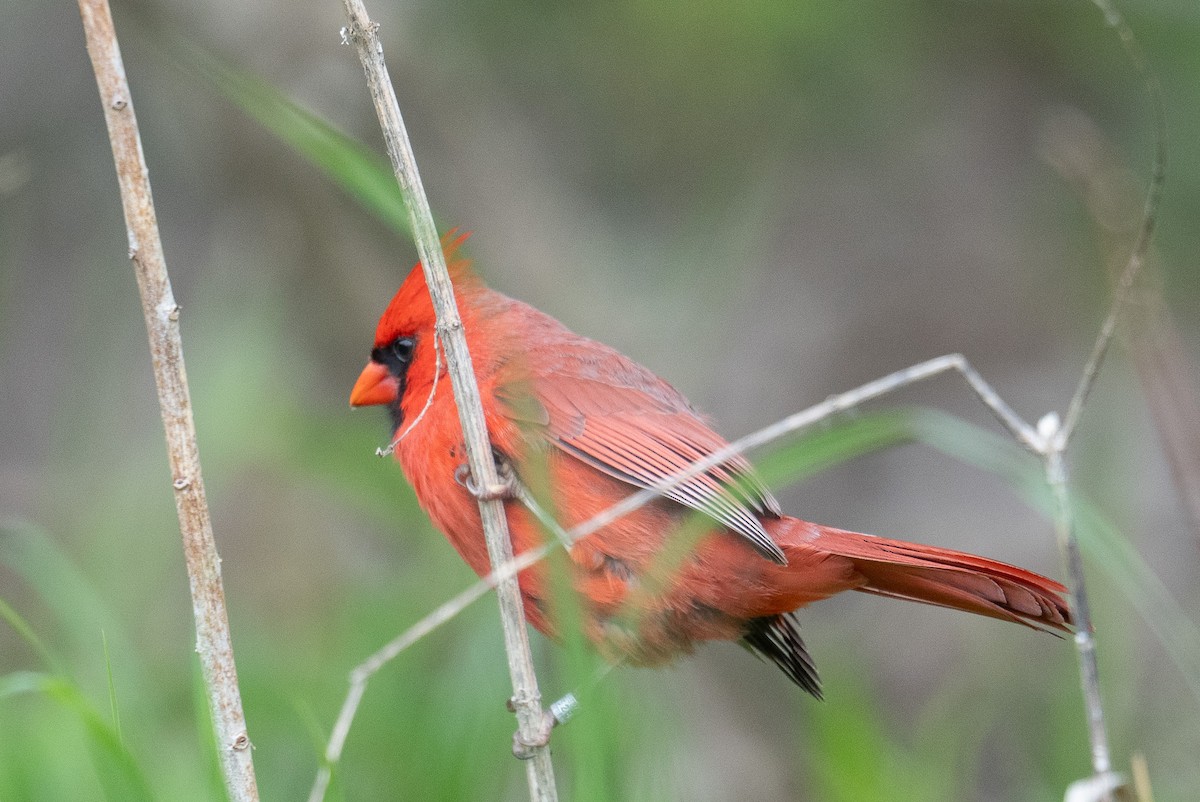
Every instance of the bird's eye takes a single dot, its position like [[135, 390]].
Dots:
[[402, 349], [395, 356]]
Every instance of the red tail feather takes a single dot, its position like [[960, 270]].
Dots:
[[947, 578]]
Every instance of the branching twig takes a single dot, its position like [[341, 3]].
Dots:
[[526, 702], [213, 642], [365, 670], [1057, 436]]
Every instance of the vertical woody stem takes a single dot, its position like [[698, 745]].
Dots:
[[1085, 636], [213, 643], [532, 721]]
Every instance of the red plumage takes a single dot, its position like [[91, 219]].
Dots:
[[595, 426]]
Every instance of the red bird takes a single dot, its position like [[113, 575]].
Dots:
[[599, 426]]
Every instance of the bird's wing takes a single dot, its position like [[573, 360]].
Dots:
[[606, 410]]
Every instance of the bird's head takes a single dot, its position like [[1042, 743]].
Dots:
[[404, 338]]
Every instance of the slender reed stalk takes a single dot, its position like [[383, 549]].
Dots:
[[533, 724], [213, 643]]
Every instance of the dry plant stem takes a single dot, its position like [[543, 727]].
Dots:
[[1085, 639], [365, 670], [213, 642], [1143, 791], [1149, 217], [1023, 432], [1057, 437], [526, 700]]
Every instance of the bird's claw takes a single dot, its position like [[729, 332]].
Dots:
[[526, 748], [502, 490]]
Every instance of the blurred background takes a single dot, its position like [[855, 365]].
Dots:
[[764, 202]]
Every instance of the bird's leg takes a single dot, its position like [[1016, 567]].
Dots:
[[502, 490], [560, 712], [511, 487]]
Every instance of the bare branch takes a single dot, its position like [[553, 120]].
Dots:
[[1058, 436], [1085, 637], [363, 672], [1023, 432], [213, 643], [526, 700], [1149, 219]]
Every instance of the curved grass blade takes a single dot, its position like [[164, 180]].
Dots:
[[363, 174], [118, 772]]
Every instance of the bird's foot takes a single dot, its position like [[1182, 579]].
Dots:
[[524, 748], [501, 490]]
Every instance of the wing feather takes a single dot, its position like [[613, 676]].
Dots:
[[600, 407]]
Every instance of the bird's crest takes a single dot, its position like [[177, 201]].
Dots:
[[411, 309]]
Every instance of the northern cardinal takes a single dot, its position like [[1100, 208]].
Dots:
[[599, 426]]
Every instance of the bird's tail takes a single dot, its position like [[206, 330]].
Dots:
[[947, 578]]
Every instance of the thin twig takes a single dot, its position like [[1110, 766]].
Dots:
[[1143, 791], [1058, 435], [437, 372], [364, 671], [213, 643], [1023, 432], [526, 701], [1137, 257], [1085, 637]]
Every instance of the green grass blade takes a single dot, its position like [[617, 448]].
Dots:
[[22, 628], [363, 174], [112, 689], [40, 561], [860, 757], [118, 772]]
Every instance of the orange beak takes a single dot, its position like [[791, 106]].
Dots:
[[374, 386]]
